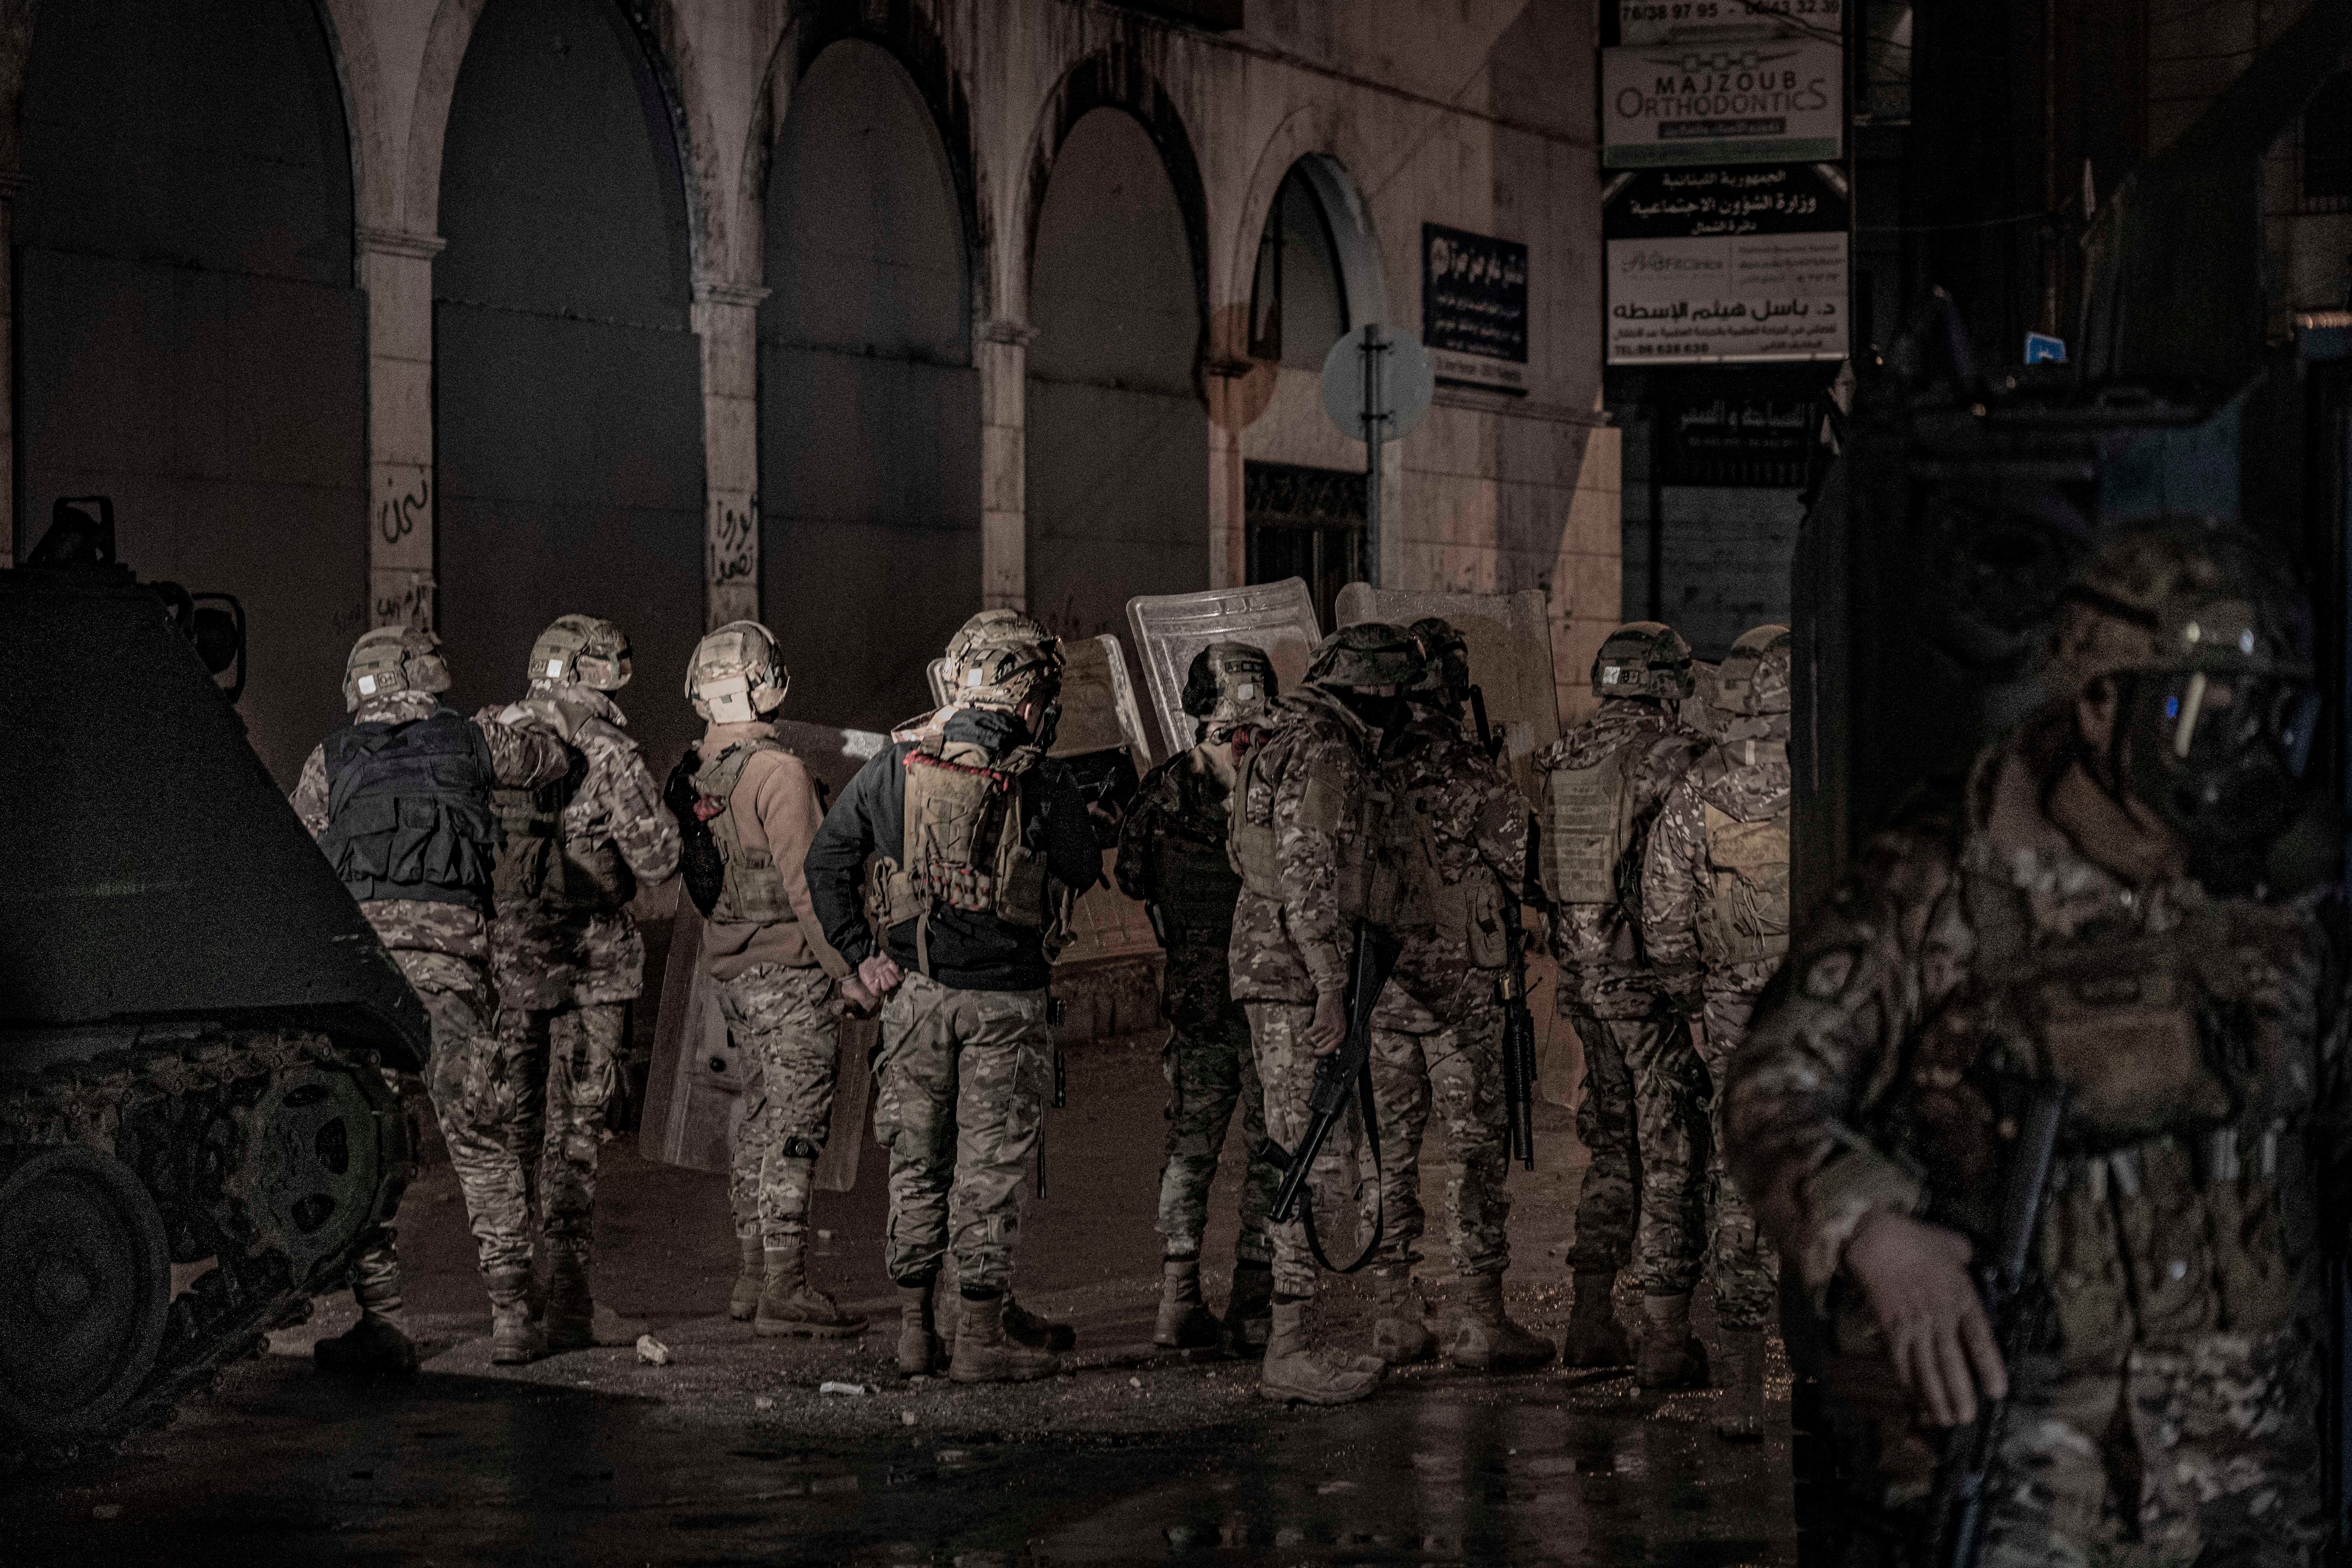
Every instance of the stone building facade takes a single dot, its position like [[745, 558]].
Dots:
[[854, 314]]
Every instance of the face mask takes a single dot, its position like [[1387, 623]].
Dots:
[[2221, 757], [1380, 712]]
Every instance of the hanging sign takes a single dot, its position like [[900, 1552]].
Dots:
[[1474, 308], [1744, 263], [1754, 100]]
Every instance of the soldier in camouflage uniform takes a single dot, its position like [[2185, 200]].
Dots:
[[1172, 856], [740, 795], [1642, 1112], [1319, 847], [1437, 1033], [2091, 910], [400, 803], [978, 846], [566, 956], [1715, 916]]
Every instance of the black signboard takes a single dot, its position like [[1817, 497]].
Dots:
[[1474, 302], [1738, 429]]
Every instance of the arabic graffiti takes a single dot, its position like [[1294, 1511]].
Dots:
[[734, 539], [397, 515]]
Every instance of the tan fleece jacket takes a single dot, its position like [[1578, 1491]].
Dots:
[[776, 808]]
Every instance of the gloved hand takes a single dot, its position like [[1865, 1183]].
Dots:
[[1916, 1277]]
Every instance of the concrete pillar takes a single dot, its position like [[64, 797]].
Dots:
[[396, 270], [1002, 348], [727, 319]]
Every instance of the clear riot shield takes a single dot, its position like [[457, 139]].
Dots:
[[694, 1089], [1510, 657], [1172, 628]]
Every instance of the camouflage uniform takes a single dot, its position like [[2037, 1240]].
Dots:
[[2168, 1412], [565, 975], [787, 1022], [1437, 1032], [1643, 1093], [1738, 791], [1171, 855], [442, 947]]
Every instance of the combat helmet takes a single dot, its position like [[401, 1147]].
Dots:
[[1002, 658], [585, 650], [1370, 653], [1229, 683], [392, 660], [1753, 683], [1642, 658], [736, 674], [1448, 653]]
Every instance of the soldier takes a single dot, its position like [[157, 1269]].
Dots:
[[399, 801], [1715, 916], [2088, 908], [977, 851], [1172, 856], [1437, 1033], [1318, 848], [781, 982], [565, 957], [1602, 785]]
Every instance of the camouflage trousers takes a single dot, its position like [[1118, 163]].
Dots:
[[1641, 1122], [960, 1083], [1459, 1071], [1742, 1271], [566, 1064], [467, 1079], [787, 1028], [1286, 1070], [1212, 1071]]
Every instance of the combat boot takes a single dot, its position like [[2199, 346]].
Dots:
[[1294, 1371], [378, 1344], [1028, 1327], [1594, 1336], [920, 1353], [744, 1300], [1401, 1326], [575, 1319], [1740, 1372], [1248, 1312], [516, 1337], [1670, 1356], [789, 1304], [1184, 1323], [1485, 1339], [986, 1353]]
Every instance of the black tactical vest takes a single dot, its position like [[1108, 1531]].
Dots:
[[408, 810]]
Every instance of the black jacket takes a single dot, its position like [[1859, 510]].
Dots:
[[969, 951]]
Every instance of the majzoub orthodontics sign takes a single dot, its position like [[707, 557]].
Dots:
[[1757, 101]]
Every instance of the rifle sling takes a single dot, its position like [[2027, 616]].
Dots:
[[1371, 1117]]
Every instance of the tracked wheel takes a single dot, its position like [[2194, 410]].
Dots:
[[315, 1165], [85, 1286]]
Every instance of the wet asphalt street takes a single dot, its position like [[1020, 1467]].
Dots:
[[729, 1454]]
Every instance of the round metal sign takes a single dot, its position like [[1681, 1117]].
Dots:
[[1403, 381]]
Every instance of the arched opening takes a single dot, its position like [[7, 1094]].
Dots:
[[1298, 306], [1118, 438], [869, 405], [189, 340], [568, 381]]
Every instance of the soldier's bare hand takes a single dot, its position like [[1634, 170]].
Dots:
[[862, 1002], [878, 974], [1915, 1277], [1328, 1032]]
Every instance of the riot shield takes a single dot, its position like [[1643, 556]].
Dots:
[[1172, 628], [694, 1096], [1510, 657]]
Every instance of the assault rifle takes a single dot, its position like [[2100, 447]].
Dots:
[[1518, 1023], [1955, 1515], [1339, 1077]]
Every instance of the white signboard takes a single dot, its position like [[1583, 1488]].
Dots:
[[1656, 21], [1755, 100], [1744, 263]]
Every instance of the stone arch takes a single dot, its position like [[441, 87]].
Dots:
[[189, 338], [568, 378], [870, 401]]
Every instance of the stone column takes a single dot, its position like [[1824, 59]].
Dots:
[[727, 319], [1003, 349], [396, 270]]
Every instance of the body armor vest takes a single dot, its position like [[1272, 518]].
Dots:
[[1743, 916], [1467, 910], [408, 810], [963, 844], [751, 891], [1192, 880], [1376, 841], [1587, 827]]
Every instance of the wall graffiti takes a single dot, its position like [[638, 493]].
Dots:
[[735, 541], [397, 517]]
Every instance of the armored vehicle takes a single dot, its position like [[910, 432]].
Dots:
[[196, 1022]]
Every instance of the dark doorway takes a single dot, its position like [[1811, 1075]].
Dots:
[[1305, 523]]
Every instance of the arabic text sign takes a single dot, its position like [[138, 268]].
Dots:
[[1708, 266], [1473, 307], [1653, 21], [1722, 101]]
